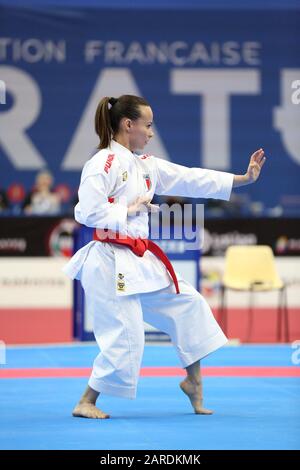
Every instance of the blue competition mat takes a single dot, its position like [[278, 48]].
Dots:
[[250, 413]]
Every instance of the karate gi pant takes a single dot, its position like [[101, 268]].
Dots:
[[119, 328]]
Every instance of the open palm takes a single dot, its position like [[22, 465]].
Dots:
[[257, 160]]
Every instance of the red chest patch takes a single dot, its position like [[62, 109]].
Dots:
[[108, 162], [147, 181], [145, 156]]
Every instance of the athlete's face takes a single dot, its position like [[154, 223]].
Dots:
[[140, 130]]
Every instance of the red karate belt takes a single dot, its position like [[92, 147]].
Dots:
[[138, 246]]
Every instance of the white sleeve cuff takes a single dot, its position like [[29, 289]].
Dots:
[[226, 180]]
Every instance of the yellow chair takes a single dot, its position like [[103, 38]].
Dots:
[[253, 269]]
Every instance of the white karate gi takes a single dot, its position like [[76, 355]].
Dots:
[[121, 288]]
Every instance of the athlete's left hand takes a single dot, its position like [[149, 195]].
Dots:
[[257, 160]]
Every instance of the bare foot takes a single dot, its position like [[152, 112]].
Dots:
[[194, 392], [88, 410]]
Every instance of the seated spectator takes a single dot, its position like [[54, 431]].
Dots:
[[42, 200], [4, 204]]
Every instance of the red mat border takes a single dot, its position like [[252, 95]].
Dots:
[[217, 371]]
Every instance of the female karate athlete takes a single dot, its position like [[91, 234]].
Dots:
[[125, 276]]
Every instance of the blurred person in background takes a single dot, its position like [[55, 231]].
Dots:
[[4, 204], [42, 200]]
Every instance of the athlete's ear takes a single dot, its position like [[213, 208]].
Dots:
[[127, 124]]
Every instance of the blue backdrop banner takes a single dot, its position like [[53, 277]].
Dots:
[[221, 83]]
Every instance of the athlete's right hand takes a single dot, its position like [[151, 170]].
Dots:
[[141, 204]]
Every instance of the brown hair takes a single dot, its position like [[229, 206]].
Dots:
[[107, 120]]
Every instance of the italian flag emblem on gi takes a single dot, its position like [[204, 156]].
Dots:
[[147, 181]]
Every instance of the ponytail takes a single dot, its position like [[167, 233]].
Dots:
[[107, 120], [102, 123]]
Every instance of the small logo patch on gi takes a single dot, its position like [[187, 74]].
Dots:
[[120, 282], [147, 181], [121, 286], [124, 176]]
